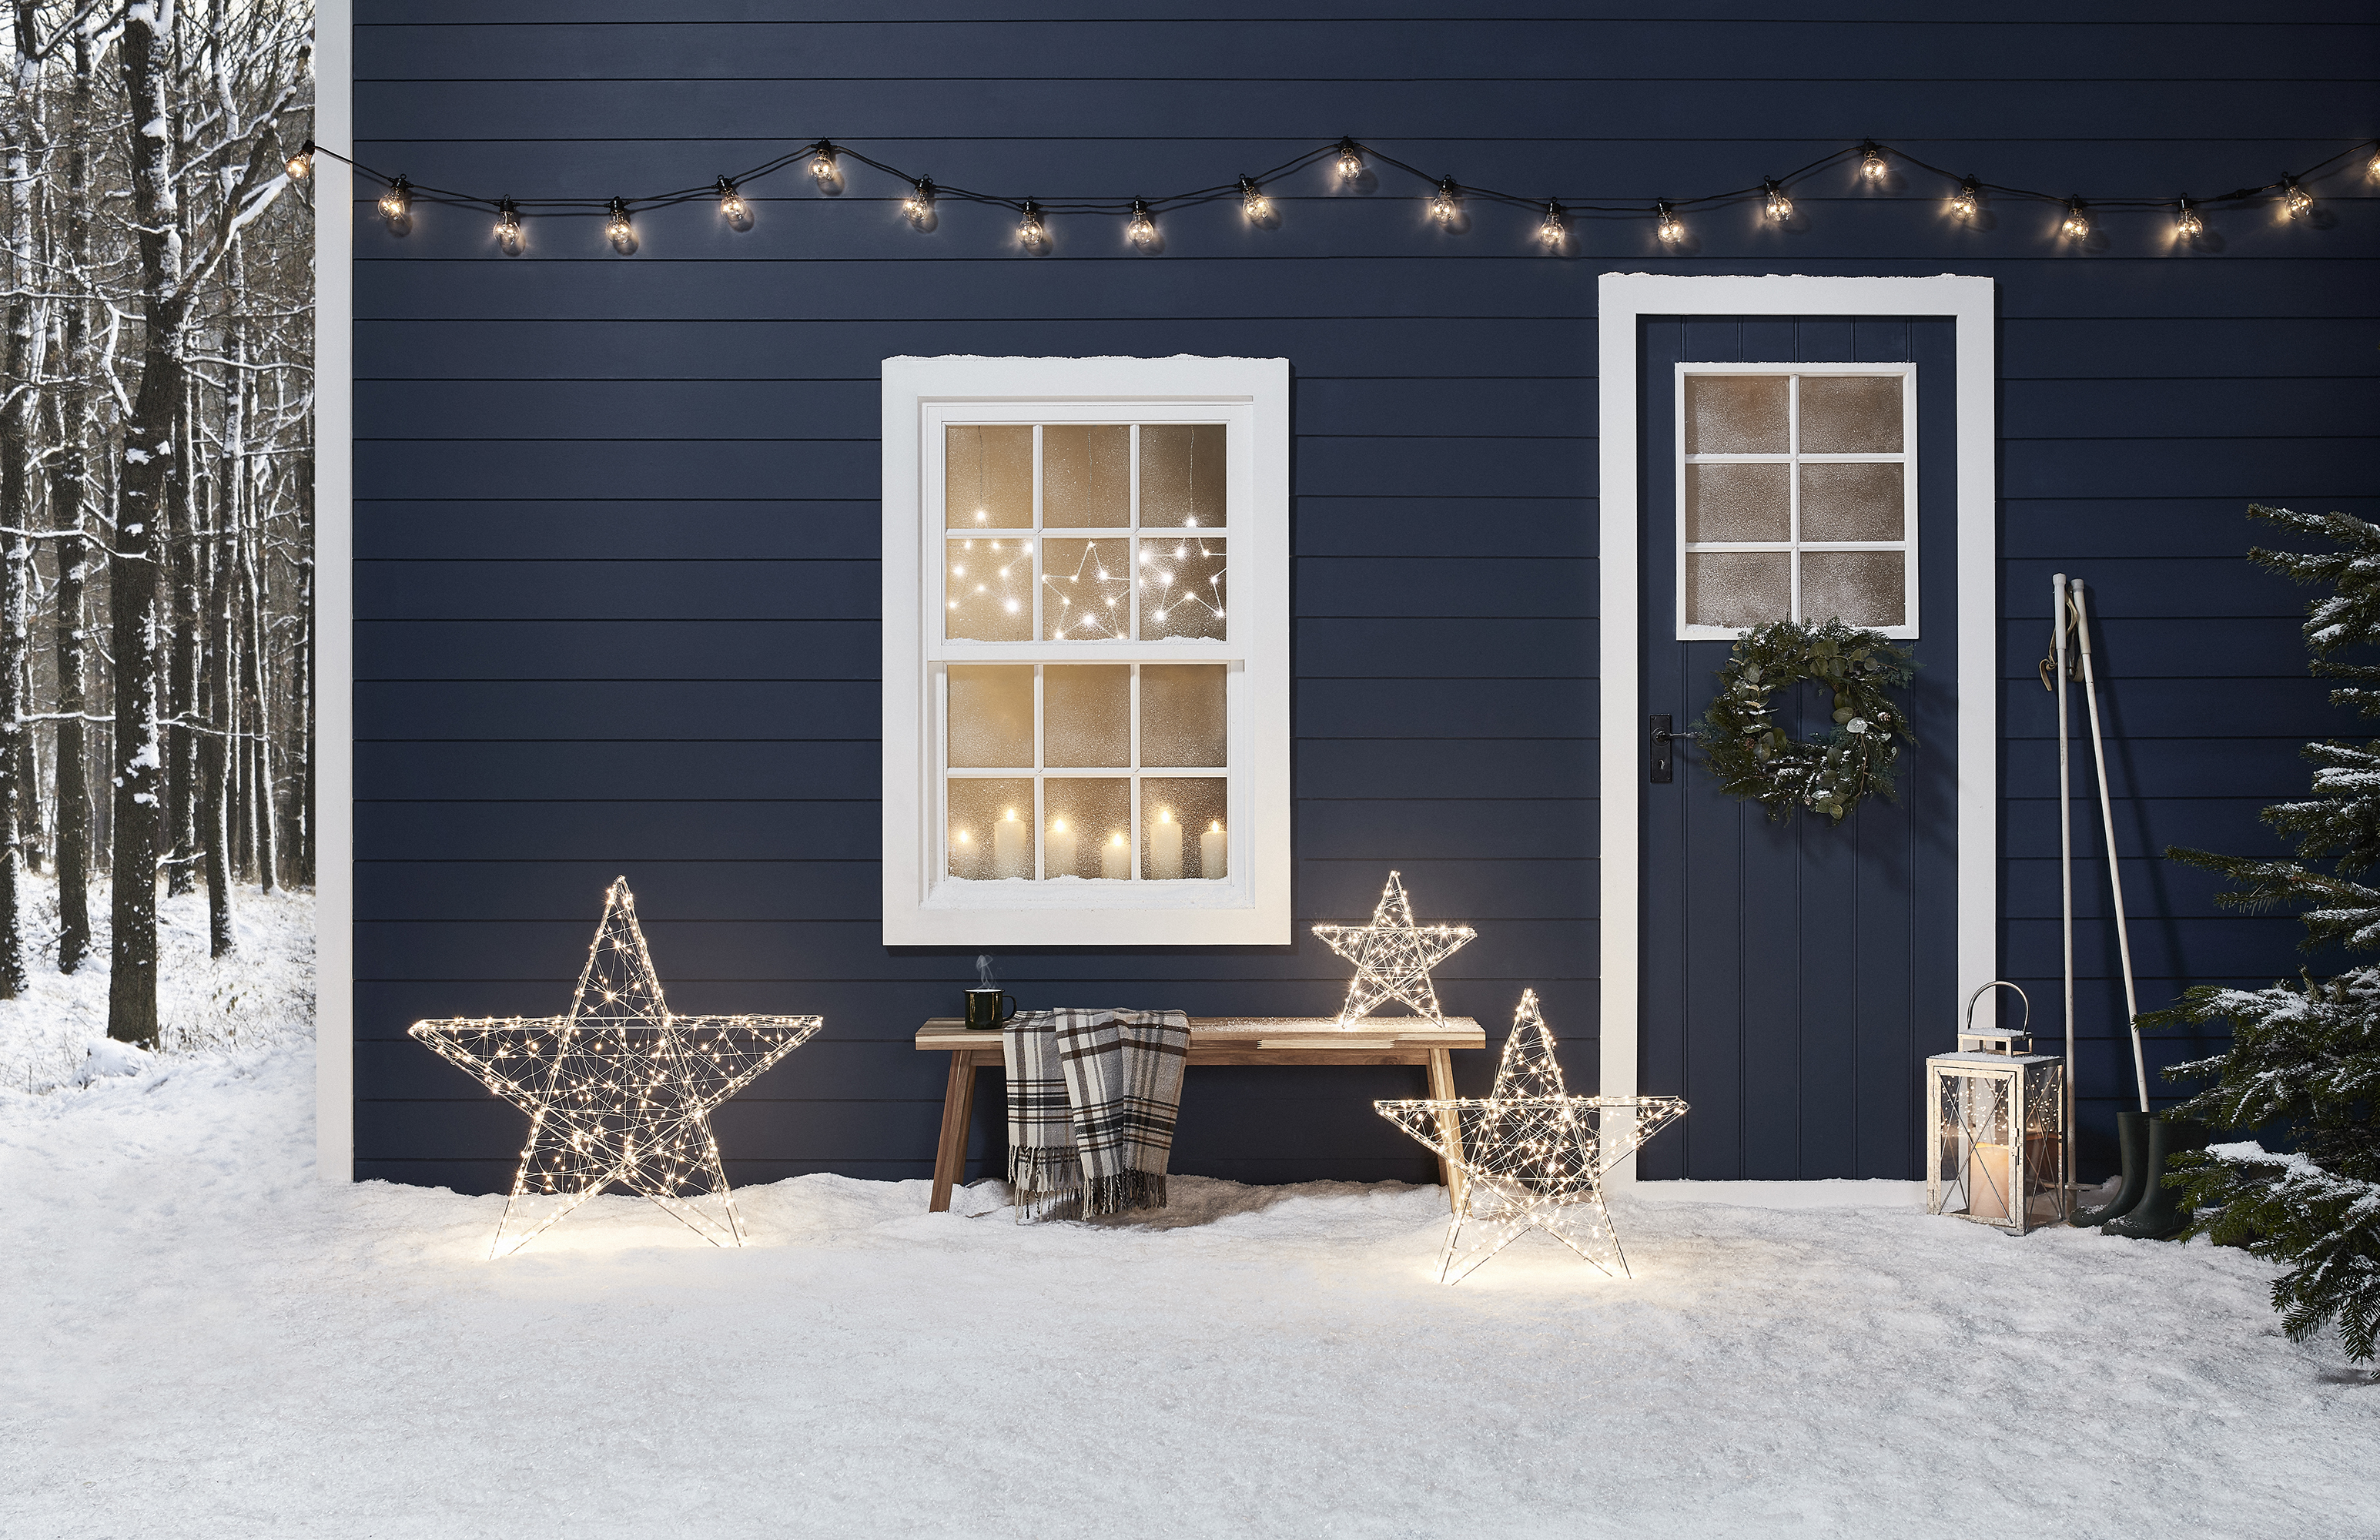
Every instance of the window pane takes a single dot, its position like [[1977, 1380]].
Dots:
[[987, 477], [988, 591], [1086, 586], [1176, 814], [1180, 586], [1087, 715], [1737, 587], [1181, 717], [1085, 476], [1860, 588], [1852, 502], [1739, 502], [1182, 475], [992, 715], [1736, 414], [1084, 816], [992, 827], [1850, 414]]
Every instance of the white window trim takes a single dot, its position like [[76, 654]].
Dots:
[[335, 759], [1623, 300], [1250, 907], [1907, 458]]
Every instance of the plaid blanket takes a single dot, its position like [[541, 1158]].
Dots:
[[1091, 1098]]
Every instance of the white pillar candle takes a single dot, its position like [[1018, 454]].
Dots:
[[1115, 859], [965, 856], [1058, 850], [1214, 853], [1012, 848], [1164, 847]]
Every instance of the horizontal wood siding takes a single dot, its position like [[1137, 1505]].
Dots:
[[617, 528]]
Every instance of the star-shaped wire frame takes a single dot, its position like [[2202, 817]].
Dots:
[[1531, 1156], [619, 1091], [1392, 956]]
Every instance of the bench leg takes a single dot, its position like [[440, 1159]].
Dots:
[[1441, 1088], [958, 1108]]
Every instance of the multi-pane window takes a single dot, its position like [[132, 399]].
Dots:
[[1797, 496]]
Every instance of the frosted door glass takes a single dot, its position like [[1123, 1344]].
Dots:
[[1736, 414], [1861, 588], [1739, 587], [987, 589], [1850, 414], [1096, 810], [978, 809], [990, 716], [1181, 476], [1192, 805], [1182, 582], [1085, 590], [1852, 502], [1085, 476], [987, 477], [1739, 502], [1181, 719], [1087, 715]]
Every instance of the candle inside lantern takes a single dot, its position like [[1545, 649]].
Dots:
[[1164, 847], [1115, 858], [1214, 852], [1012, 848], [964, 853], [1058, 850]]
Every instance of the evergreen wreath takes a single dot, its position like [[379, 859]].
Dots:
[[1753, 758]]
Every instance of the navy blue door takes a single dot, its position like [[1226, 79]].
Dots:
[[1794, 975]]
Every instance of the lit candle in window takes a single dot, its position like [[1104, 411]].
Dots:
[[1012, 848], [1058, 853], [1214, 852], [964, 853], [1164, 847], [1115, 858]]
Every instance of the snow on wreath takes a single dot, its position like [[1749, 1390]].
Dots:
[[1753, 758]]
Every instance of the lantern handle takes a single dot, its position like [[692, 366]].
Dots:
[[1999, 984]]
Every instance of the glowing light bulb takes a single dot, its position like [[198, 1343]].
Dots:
[[618, 229], [1142, 231], [1447, 204], [1350, 162], [1667, 226], [2186, 224], [1254, 204], [1872, 163], [920, 204], [509, 227], [2077, 222], [397, 204], [301, 164], [823, 170], [732, 206], [1030, 233], [2295, 199], [1967, 200], [1779, 207], [2371, 167], [1553, 229]]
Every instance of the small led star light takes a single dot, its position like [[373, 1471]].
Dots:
[[2077, 222], [1447, 204], [1350, 162], [1967, 200], [731, 207], [509, 227], [396, 205], [2186, 222], [1254, 204], [823, 170], [619, 229], [619, 1091], [1031, 232], [1779, 207], [2295, 199], [1392, 956], [1141, 230], [301, 164], [1871, 162], [1666, 226], [920, 204], [1554, 228], [1529, 1154]]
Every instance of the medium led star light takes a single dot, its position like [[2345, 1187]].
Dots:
[[620, 1091], [1394, 956], [1530, 1156]]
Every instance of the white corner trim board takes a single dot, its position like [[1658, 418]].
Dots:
[[1624, 299], [334, 758]]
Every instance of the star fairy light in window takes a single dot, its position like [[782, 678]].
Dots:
[[1182, 583], [1394, 956], [620, 1091]]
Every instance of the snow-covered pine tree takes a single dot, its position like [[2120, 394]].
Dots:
[[2306, 1057]]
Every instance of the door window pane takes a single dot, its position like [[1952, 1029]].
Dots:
[[1850, 414], [1861, 588], [987, 477], [1181, 717], [1846, 500], [1739, 587], [1738, 414], [1740, 502], [987, 588], [1181, 476], [992, 715], [1087, 715], [1085, 476], [1085, 590]]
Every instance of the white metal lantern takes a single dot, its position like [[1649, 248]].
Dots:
[[1998, 1113]]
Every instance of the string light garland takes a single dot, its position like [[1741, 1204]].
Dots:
[[1351, 160], [1554, 228], [1030, 232], [731, 207], [509, 227], [301, 164], [1142, 231], [1394, 956], [2186, 222], [620, 230]]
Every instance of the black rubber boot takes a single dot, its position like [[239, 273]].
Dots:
[[2159, 1216], [2132, 1136]]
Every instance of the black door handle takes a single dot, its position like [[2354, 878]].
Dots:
[[1661, 768]]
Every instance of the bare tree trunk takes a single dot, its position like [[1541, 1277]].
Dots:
[[177, 548], [73, 791], [260, 707], [215, 753], [16, 514], [303, 668]]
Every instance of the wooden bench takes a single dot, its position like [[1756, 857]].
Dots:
[[1215, 1041]]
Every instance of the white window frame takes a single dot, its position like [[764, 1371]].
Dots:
[[1794, 458], [1250, 906]]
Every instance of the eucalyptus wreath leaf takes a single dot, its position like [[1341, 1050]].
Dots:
[[1751, 754]]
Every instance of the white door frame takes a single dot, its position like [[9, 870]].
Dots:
[[335, 817], [1623, 300]]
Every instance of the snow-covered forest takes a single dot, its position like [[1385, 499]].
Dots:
[[156, 479]]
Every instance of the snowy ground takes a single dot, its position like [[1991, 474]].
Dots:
[[205, 1340]]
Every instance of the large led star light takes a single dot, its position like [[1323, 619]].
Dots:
[[620, 1091], [1392, 956], [1531, 1156]]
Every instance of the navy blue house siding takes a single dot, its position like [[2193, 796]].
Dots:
[[617, 524]]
